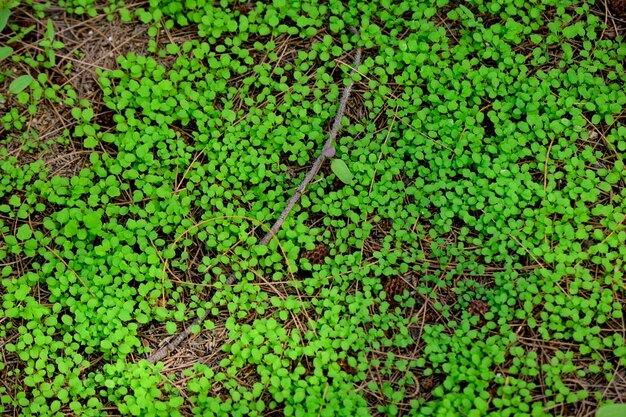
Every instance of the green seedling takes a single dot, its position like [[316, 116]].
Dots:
[[471, 266]]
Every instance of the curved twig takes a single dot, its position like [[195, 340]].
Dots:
[[165, 350]]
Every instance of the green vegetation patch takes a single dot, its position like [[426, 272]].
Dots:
[[463, 255]]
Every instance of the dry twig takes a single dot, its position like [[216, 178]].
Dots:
[[183, 335]]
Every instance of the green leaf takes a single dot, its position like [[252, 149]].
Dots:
[[341, 170], [71, 228], [24, 232], [570, 31], [612, 178], [259, 250], [20, 83], [613, 410], [50, 30], [172, 49], [90, 142], [76, 113], [92, 220], [22, 292], [171, 327], [5, 51], [87, 114], [4, 18]]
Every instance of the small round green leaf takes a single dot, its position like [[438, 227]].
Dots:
[[170, 327], [90, 142], [92, 220], [24, 232]]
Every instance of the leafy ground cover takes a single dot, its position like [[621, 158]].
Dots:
[[468, 262]]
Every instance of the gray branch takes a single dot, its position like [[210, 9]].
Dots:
[[165, 350]]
